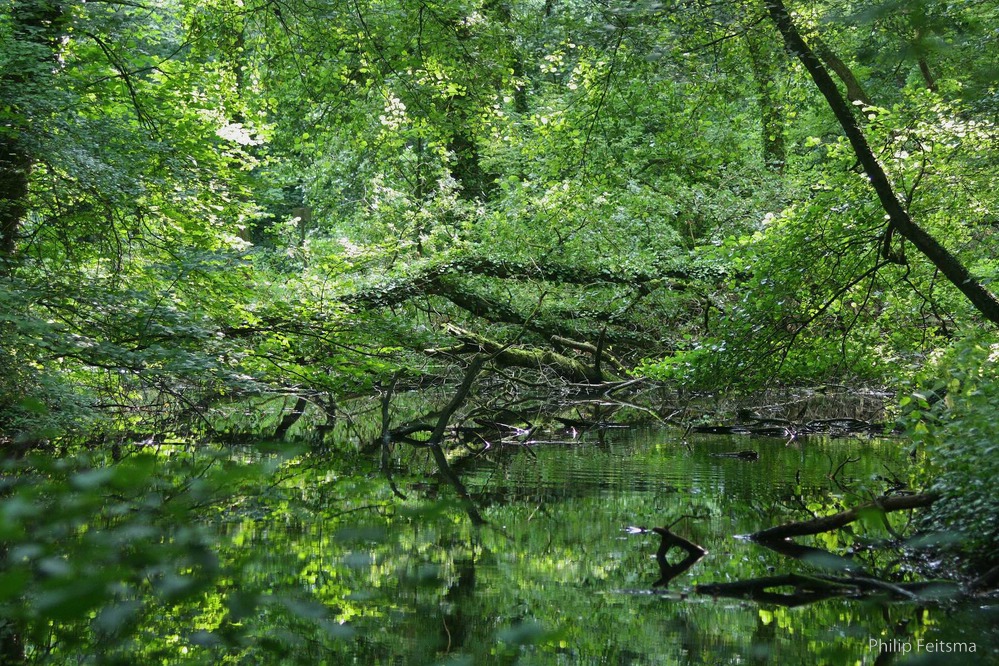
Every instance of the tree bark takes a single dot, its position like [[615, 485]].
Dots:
[[924, 69], [763, 61], [898, 217], [854, 91], [518, 357], [15, 167], [36, 28], [598, 352], [291, 418]]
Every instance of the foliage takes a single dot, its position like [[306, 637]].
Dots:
[[147, 559], [211, 211], [238, 173], [110, 544], [828, 291], [952, 414]]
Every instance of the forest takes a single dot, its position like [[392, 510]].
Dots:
[[377, 331]]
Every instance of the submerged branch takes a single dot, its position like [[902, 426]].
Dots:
[[437, 436], [667, 571], [807, 589], [843, 518]]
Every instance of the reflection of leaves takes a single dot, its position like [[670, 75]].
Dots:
[[358, 560], [529, 632], [829, 561], [458, 660], [305, 609], [361, 534], [241, 605]]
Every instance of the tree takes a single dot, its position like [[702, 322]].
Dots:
[[899, 219], [123, 182], [32, 42]]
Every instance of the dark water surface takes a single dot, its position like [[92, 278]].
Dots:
[[556, 577]]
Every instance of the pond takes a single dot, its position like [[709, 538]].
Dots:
[[557, 576], [318, 559]]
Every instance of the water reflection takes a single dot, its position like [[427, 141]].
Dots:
[[582, 496], [554, 577]]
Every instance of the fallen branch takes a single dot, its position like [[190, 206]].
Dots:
[[843, 518], [437, 436], [510, 356], [598, 354]]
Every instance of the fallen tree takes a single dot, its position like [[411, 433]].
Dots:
[[546, 322], [453, 282], [881, 505], [506, 355], [420, 281]]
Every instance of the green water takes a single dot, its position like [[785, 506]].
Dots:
[[556, 577], [187, 556]]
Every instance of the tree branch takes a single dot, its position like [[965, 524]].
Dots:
[[952, 268]]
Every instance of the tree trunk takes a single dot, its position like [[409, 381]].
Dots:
[[764, 61], [854, 91], [924, 69], [898, 217], [838, 520], [15, 167], [36, 30], [291, 418]]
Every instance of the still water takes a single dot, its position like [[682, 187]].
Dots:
[[557, 576]]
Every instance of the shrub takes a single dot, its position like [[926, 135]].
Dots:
[[954, 412]]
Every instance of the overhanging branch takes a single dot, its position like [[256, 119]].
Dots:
[[898, 217]]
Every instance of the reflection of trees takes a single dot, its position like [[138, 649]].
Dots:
[[796, 589], [803, 589], [454, 627], [764, 637]]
